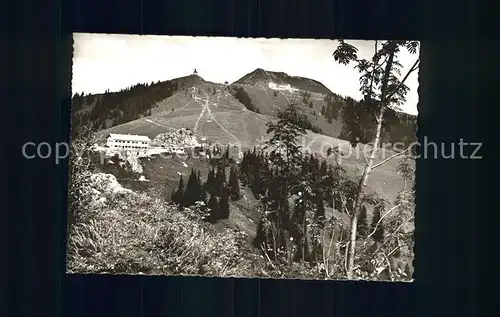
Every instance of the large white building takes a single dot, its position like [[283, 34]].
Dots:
[[129, 142]]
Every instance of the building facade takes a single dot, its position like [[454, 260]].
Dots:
[[138, 144]]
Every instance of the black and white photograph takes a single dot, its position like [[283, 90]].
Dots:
[[243, 157]]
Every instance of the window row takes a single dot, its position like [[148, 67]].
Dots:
[[133, 142], [131, 147]]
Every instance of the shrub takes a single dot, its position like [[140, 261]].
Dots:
[[135, 233]]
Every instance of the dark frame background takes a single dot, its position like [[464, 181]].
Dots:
[[446, 264]]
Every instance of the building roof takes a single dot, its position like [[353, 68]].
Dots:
[[129, 137]]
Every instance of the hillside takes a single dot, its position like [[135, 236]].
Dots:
[[214, 114], [217, 114], [283, 81], [207, 109], [262, 92], [113, 108], [189, 112]]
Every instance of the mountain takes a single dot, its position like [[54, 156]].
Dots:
[[271, 92], [113, 108], [262, 92], [217, 114], [280, 80], [235, 114]]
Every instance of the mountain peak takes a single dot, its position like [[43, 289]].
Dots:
[[261, 77], [190, 80]]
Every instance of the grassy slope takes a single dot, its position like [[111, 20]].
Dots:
[[247, 127], [162, 173], [265, 100]]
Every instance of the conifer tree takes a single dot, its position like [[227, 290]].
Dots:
[[224, 204], [173, 196], [378, 235], [244, 167], [199, 188], [179, 194], [234, 184], [363, 223], [220, 180], [323, 168], [203, 194], [213, 205], [209, 185], [190, 192]]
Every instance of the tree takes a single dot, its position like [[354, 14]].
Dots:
[[193, 190], [224, 204], [172, 196], [320, 212], [199, 188], [234, 184], [285, 153], [213, 206], [377, 225], [210, 183], [282, 178], [363, 223], [219, 182], [380, 89], [179, 194], [203, 195], [188, 192]]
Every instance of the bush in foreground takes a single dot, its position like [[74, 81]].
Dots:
[[126, 232]]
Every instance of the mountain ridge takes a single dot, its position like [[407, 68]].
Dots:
[[260, 75], [261, 91]]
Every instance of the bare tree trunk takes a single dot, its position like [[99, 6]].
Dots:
[[368, 167], [304, 225]]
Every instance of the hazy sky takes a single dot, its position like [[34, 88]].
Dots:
[[114, 62]]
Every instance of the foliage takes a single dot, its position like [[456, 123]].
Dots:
[[193, 192], [381, 89], [359, 117], [243, 97], [137, 234], [377, 225], [363, 223], [213, 206], [224, 204], [81, 165], [118, 107], [234, 184]]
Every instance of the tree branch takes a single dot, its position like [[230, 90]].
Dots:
[[395, 231], [374, 61], [366, 159], [381, 64], [392, 156], [388, 265], [412, 69], [380, 220], [345, 258]]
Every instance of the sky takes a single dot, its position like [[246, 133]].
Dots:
[[111, 62]]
